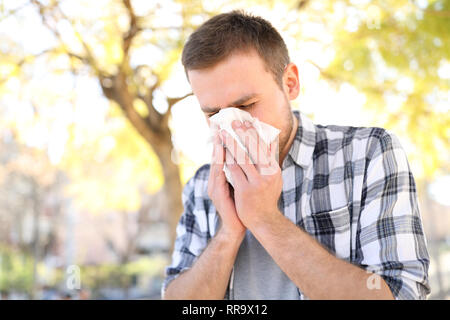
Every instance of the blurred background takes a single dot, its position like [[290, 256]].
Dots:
[[99, 131]]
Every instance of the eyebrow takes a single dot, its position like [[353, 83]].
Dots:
[[235, 103]]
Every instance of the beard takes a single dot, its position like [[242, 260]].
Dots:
[[286, 130]]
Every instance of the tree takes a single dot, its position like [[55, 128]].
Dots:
[[394, 52], [107, 54], [30, 207]]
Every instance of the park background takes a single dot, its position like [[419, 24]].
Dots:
[[99, 132]]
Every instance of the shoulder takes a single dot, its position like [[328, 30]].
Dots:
[[350, 133], [202, 173], [364, 149], [197, 185], [362, 141]]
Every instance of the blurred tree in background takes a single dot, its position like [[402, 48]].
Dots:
[[109, 132], [395, 52]]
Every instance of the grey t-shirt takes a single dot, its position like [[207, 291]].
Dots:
[[257, 276]]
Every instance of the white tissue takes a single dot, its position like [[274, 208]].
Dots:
[[226, 116]]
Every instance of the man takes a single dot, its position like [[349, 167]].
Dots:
[[336, 219]]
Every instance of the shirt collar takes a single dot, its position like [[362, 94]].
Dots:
[[303, 145]]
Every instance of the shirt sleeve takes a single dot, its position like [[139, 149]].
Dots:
[[390, 240], [190, 241]]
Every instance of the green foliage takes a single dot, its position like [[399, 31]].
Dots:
[[16, 270], [399, 55], [111, 275]]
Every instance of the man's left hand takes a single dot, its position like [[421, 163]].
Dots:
[[256, 176]]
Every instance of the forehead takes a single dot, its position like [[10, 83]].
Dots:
[[239, 74]]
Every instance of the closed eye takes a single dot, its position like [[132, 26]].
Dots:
[[247, 106]]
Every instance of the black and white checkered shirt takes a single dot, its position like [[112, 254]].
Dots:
[[350, 188]]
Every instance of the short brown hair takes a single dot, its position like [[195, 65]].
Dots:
[[235, 31]]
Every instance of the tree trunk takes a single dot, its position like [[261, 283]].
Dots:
[[172, 188], [159, 138]]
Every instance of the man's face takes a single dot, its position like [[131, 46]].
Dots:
[[242, 81]]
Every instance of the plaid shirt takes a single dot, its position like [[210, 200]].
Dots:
[[350, 188]]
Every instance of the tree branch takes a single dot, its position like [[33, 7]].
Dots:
[[13, 11], [172, 102], [89, 57], [22, 61], [154, 117], [379, 90], [132, 31], [325, 74], [115, 88]]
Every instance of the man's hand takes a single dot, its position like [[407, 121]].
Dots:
[[220, 194], [257, 176]]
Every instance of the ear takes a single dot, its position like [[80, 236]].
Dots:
[[291, 83]]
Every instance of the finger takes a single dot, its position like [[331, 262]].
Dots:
[[241, 157], [274, 152], [256, 146], [237, 174], [273, 166], [218, 157], [218, 150]]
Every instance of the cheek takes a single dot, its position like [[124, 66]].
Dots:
[[273, 110], [268, 115], [281, 99]]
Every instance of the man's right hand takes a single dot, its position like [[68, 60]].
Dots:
[[219, 191]]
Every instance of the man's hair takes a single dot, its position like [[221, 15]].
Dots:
[[227, 33]]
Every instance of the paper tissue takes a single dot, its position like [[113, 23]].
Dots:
[[226, 116]]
